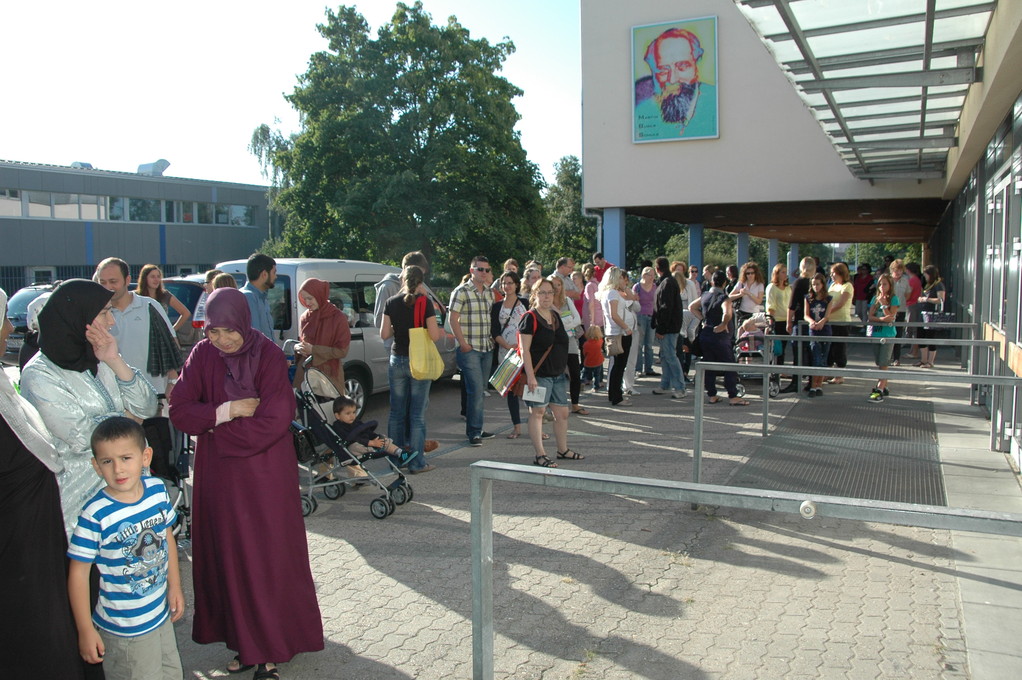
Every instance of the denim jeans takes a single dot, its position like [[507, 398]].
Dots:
[[644, 337], [474, 367], [670, 367], [408, 401]]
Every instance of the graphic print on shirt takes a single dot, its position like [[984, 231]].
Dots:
[[145, 554]]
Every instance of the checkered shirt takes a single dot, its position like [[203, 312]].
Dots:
[[474, 310]]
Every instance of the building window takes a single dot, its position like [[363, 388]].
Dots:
[[242, 215], [39, 204], [205, 213], [143, 210], [92, 207], [223, 213], [116, 208], [187, 211], [10, 203], [65, 206]]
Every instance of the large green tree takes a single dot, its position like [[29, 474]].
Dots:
[[571, 234], [407, 143]]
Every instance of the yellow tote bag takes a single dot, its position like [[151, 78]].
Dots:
[[423, 357]]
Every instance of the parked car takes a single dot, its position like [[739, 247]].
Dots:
[[352, 291], [17, 312]]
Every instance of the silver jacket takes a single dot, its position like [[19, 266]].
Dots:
[[71, 404]]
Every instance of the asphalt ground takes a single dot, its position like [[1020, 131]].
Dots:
[[601, 586]]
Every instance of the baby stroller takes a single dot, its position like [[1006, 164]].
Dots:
[[754, 345], [322, 453], [171, 462]]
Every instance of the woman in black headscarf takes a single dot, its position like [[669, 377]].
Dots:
[[33, 584], [79, 379]]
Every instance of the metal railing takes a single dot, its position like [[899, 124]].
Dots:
[[484, 473], [767, 369]]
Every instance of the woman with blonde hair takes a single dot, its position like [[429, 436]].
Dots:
[[616, 331], [778, 297], [843, 293]]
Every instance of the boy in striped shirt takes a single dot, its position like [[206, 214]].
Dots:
[[125, 529]]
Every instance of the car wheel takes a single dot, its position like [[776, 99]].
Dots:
[[356, 388]]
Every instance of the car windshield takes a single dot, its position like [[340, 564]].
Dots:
[[17, 306]]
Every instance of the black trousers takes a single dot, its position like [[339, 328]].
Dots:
[[615, 383]]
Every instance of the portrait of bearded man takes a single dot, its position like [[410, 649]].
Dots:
[[674, 102]]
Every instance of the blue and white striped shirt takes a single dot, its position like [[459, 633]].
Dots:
[[128, 544]]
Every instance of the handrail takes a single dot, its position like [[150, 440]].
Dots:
[[769, 369], [808, 506]]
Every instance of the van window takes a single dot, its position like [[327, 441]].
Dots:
[[279, 298], [356, 301]]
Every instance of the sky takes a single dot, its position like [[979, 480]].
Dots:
[[118, 84]]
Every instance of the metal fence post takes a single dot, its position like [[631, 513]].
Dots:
[[482, 576]]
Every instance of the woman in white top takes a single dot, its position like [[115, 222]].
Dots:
[[630, 316], [615, 329], [690, 292], [747, 295], [778, 298]]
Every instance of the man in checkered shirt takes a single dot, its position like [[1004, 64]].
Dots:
[[470, 322]]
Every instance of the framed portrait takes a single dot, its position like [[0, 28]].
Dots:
[[674, 72]]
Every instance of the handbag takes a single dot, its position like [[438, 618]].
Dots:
[[938, 317], [507, 372], [614, 345], [424, 360]]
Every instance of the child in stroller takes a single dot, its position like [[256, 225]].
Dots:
[[363, 440]]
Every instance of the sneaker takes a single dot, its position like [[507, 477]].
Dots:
[[886, 393], [819, 392], [486, 435], [679, 395], [660, 390], [876, 396], [632, 392], [623, 402], [430, 445], [811, 394], [790, 389], [651, 374], [426, 468], [475, 441]]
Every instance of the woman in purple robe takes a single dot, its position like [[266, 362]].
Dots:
[[253, 584]]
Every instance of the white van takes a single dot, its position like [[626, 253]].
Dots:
[[352, 290]]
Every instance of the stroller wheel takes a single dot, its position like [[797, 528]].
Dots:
[[774, 389], [334, 491], [741, 390], [308, 505], [390, 505], [411, 493], [399, 495], [379, 507]]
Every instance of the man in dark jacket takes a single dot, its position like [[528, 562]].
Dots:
[[668, 324]]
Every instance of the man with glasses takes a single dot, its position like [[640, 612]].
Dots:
[[470, 323]]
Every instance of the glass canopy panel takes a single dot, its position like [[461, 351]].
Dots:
[[857, 38], [853, 42]]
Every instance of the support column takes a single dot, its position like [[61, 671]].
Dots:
[[742, 249], [793, 259], [614, 236], [695, 246], [771, 257]]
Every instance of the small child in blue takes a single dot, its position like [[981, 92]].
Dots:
[[125, 529]]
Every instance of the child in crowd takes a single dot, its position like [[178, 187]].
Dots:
[[125, 530], [883, 310], [818, 304], [362, 438], [592, 357]]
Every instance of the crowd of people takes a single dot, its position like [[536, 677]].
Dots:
[[108, 360]]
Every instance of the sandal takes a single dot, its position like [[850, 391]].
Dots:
[[514, 435], [240, 668], [545, 436], [264, 673], [543, 461], [714, 400], [581, 410], [739, 402], [569, 455]]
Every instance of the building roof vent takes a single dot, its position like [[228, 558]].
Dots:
[[154, 169], [81, 165]]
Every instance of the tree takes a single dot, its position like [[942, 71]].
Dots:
[[407, 143], [571, 234]]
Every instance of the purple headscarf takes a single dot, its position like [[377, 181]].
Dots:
[[228, 308]]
